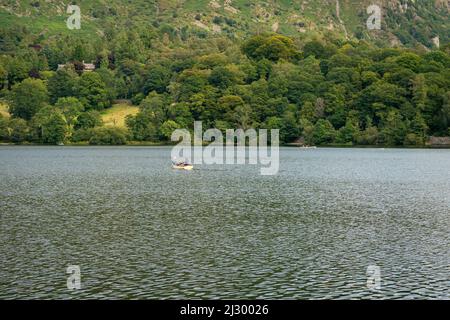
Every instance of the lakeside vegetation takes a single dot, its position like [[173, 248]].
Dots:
[[322, 90]]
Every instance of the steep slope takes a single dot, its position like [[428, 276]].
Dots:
[[404, 22]]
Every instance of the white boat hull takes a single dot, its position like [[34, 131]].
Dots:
[[187, 167]]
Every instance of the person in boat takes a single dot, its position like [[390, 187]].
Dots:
[[182, 163], [186, 162]]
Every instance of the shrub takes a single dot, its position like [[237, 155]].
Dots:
[[369, 136], [81, 135], [108, 136], [88, 120], [218, 20], [4, 131], [324, 132], [19, 130], [413, 139]]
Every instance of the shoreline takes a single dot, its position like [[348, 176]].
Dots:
[[155, 144]]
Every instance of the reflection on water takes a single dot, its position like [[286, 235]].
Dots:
[[139, 229]]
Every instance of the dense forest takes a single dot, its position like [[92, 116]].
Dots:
[[323, 91]]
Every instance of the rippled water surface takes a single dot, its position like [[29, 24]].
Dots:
[[140, 230]]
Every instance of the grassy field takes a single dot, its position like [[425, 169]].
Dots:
[[4, 110], [116, 115]]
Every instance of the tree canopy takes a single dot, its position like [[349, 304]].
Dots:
[[326, 91]]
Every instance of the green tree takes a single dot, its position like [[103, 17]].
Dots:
[[154, 105], [225, 76], [180, 113], [308, 112], [290, 129], [62, 84], [16, 69], [369, 136], [4, 128], [28, 97], [324, 132], [271, 47], [318, 49], [394, 128], [348, 133], [92, 91], [167, 128], [49, 126], [418, 126], [189, 82], [71, 108], [108, 136], [409, 60], [19, 130], [378, 97], [142, 126], [88, 120], [227, 106], [419, 92], [445, 111], [307, 131], [115, 85], [3, 77], [156, 79], [439, 57], [412, 139]]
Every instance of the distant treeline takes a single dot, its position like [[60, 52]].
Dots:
[[323, 91]]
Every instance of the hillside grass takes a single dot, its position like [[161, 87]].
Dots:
[[48, 18], [115, 116], [48, 25]]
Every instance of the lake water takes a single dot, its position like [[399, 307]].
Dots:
[[140, 230]]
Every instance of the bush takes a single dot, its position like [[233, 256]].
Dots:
[[218, 20], [323, 132], [81, 135], [88, 120], [108, 136], [167, 128], [413, 139], [4, 131], [48, 126], [137, 98], [368, 137], [19, 130], [28, 97]]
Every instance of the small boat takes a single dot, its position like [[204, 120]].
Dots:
[[182, 166], [308, 147]]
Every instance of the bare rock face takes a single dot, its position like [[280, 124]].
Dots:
[[214, 4], [200, 24], [216, 28], [228, 5]]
